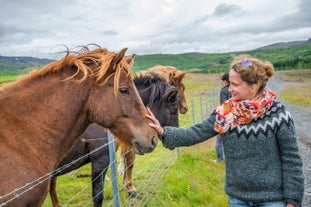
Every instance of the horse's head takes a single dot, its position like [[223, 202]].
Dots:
[[161, 97], [114, 101], [169, 111], [175, 77]]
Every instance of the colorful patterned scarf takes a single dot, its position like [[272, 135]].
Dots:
[[233, 113]]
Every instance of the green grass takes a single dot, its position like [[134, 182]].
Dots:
[[302, 95], [194, 180], [298, 92], [8, 78]]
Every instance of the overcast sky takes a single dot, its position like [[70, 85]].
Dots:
[[36, 27]]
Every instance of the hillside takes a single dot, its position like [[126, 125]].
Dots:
[[283, 44], [291, 55], [21, 62], [288, 55], [17, 65]]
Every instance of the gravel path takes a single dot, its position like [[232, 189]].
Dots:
[[302, 119]]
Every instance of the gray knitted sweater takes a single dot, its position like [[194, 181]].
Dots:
[[262, 158]]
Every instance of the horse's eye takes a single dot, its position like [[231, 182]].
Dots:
[[172, 97], [124, 91]]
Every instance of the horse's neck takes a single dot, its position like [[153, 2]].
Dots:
[[47, 117]]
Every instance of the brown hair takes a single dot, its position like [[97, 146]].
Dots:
[[252, 70], [225, 77]]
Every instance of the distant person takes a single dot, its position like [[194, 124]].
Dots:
[[263, 165], [224, 96]]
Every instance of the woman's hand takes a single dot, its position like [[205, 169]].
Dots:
[[156, 125]]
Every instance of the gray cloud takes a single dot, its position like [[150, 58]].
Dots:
[[227, 10], [297, 19], [34, 27], [110, 32]]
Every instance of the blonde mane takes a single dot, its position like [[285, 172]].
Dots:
[[172, 76], [83, 62], [167, 72]]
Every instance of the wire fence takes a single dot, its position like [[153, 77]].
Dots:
[[152, 169]]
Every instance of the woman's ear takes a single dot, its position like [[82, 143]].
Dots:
[[254, 89]]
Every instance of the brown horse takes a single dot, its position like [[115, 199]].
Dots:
[[43, 113], [174, 76]]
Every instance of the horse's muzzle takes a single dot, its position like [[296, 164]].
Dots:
[[142, 148]]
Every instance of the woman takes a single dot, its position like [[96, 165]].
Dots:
[[263, 165]]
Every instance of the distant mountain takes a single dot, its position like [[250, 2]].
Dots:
[[21, 62], [283, 44], [283, 55]]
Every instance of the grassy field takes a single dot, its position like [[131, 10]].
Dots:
[[298, 89], [182, 177], [6, 79]]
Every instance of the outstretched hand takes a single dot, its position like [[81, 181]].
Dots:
[[155, 123]]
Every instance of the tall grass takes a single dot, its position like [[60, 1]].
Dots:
[[193, 180]]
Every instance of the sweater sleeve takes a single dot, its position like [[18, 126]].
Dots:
[[178, 137], [293, 179]]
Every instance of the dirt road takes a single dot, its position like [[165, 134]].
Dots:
[[302, 119]]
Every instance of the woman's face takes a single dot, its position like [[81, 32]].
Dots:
[[239, 89]]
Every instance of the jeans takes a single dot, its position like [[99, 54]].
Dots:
[[239, 203], [219, 149]]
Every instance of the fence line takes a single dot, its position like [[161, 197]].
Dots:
[[206, 102], [18, 192], [160, 165], [200, 107]]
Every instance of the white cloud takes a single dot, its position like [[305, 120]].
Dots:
[[35, 27]]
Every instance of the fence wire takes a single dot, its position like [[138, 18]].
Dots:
[[147, 177]]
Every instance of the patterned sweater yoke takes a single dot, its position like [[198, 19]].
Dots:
[[262, 158]]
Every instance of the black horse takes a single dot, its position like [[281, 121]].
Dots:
[[161, 97]]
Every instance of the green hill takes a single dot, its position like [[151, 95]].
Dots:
[[290, 55], [18, 65], [282, 55]]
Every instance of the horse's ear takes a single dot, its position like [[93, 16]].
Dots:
[[130, 60], [119, 56], [181, 75]]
